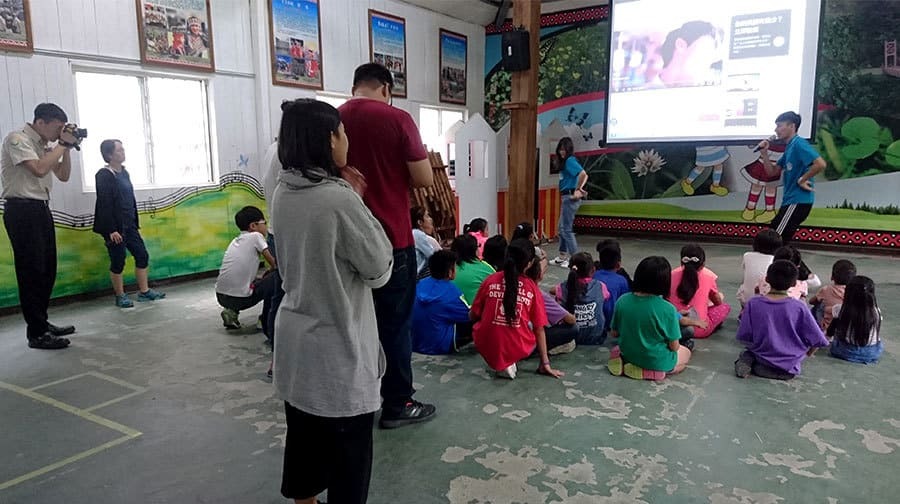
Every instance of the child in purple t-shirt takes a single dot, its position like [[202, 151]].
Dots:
[[778, 330], [562, 331]]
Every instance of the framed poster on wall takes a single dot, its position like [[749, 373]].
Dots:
[[387, 46], [453, 66], [295, 43], [15, 26], [176, 33]]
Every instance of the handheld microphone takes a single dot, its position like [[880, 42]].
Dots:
[[770, 140]]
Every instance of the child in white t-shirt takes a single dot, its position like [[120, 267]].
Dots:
[[237, 287], [755, 263]]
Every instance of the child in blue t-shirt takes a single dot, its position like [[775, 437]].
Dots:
[[610, 272], [440, 321]]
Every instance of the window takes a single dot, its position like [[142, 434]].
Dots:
[[163, 124], [433, 124]]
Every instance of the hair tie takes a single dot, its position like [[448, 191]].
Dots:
[[574, 268], [685, 260]]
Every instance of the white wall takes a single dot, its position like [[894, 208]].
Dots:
[[103, 34], [345, 45], [244, 103]]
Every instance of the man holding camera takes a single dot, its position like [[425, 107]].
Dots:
[[28, 158]]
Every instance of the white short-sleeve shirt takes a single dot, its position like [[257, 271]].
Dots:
[[240, 264]]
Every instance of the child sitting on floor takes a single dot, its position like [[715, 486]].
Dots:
[[470, 270], [694, 288], [828, 297], [857, 324], [800, 289], [778, 330], [237, 287], [439, 309], [609, 271], [510, 317], [495, 251], [647, 326], [561, 330], [478, 229], [755, 263], [584, 296]]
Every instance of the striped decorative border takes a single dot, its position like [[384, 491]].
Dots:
[[881, 240], [557, 19]]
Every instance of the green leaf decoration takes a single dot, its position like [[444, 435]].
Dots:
[[620, 181], [892, 154], [673, 191], [865, 148], [861, 128], [886, 137]]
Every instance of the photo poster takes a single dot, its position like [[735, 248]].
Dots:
[[296, 43], [176, 33], [453, 53], [387, 46], [15, 26]]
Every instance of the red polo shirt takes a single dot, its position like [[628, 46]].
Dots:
[[382, 140]]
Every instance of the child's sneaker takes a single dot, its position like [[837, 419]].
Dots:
[[230, 319], [743, 366], [509, 372], [150, 295], [562, 349], [123, 301]]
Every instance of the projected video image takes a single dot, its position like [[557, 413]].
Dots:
[[689, 54]]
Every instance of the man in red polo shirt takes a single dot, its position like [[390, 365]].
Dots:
[[386, 148]]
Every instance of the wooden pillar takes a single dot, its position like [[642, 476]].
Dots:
[[523, 122]]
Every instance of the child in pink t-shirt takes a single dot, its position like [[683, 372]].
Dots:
[[800, 290], [478, 229], [828, 297], [694, 286]]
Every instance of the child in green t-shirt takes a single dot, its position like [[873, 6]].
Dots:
[[647, 326], [470, 270]]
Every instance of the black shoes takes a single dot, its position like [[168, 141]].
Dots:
[[412, 412], [48, 341], [56, 330]]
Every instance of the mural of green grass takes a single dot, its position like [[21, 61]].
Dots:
[[187, 238], [820, 217]]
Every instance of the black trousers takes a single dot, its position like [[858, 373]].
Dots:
[[393, 313], [789, 218], [29, 226]]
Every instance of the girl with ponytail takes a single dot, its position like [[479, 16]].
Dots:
[[857, 323], [694, 288], [584, 296], [506, 308]]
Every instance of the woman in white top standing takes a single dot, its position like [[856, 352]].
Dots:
[[328, 360]]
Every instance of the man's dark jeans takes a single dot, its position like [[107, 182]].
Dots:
[[393, 310]]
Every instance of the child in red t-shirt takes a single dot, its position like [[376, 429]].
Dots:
[[509, 315]]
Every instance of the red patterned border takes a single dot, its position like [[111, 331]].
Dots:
[[882, 240], [557, 19]]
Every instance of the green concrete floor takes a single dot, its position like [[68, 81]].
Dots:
[[160, 404]]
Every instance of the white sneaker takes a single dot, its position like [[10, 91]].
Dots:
[[560, 261], [561, 349], [509, 372]]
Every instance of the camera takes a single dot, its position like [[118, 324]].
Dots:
[[79, 133]]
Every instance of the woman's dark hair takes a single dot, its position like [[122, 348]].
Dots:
[[466, 248], [107, 147], [859, 312], [441, 263], [766, 241], [781, 275], [477, 225], [304, 140], [518, 255], [524, 230], [494, 252], [579, 267], [842, 271], [653, 275], [565, 143], [693, 257], [609, 254], [417, 214]]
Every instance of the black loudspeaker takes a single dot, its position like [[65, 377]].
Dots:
[[516, 54]]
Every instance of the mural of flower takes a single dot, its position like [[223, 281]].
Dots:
[[647, 161]]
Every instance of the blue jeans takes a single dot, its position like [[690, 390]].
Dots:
[[568, 208], [393, 313], [853, 353]]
